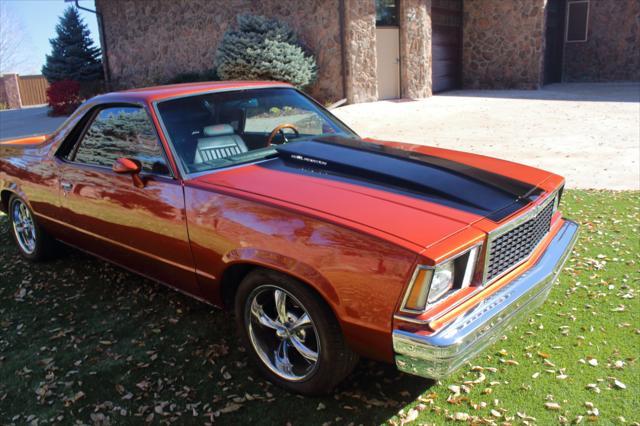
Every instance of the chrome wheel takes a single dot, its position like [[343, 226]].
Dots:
[[282, 333], [23, 226]]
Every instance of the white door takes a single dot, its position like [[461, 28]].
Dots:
[[388, 52]]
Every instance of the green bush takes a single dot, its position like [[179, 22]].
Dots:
[[264, 49]]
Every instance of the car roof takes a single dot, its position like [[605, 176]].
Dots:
[[156, 93]]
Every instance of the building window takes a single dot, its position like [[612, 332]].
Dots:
[[387, 13], [577, 21]]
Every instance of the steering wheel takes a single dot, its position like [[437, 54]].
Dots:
[[279, 129]]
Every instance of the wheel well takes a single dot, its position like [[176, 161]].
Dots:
[[233, 276], [231, 279], [4, 200]]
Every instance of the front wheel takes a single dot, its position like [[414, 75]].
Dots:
[[290, 333], [33, 242]]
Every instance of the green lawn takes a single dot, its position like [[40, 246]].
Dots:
[[81, 339]]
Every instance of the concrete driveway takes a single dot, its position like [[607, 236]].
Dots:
[[589, 133], [17, 123]]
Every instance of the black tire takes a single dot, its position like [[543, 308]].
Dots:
[[334, 358], [44, 244]]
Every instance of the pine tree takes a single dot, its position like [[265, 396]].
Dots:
[[264, 49], [73, 55]]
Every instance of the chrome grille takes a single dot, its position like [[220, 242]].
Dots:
[[512, 247]]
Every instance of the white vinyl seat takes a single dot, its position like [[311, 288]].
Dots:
[[220, 141]]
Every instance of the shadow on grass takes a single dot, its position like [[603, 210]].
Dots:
[[82, 339]]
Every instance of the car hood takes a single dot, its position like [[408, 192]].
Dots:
[[416, 194]]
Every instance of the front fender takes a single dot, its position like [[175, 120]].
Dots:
[[287, 265], [360, 277]]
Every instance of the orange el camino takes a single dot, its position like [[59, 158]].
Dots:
[[250, 196]]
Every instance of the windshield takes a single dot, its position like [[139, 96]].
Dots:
[[222, 129]]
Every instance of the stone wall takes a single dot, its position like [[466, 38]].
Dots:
[[10, 91], [360, 47], [151, 41], [612, 49], [503, 44], [415, 48]]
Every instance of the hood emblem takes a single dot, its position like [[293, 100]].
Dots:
[[308, 159]]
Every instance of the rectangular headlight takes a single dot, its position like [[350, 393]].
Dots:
[[442, 281], [430, 285]]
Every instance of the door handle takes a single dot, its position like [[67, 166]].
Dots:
[[66, 186]]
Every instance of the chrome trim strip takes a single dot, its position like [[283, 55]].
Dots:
[[116, 243], [439, 354], [412, 320], [470, 269], [531, 214]]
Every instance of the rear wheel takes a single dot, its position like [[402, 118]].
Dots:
[[291, 334], [33, 241]]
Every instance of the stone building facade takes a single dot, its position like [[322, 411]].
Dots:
[[503, 44], [438, 45], [149, 42], [612, 49]]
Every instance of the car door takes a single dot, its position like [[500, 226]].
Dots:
[[140, 228]]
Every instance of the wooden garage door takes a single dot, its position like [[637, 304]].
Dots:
[[33, 89], [446, 18]]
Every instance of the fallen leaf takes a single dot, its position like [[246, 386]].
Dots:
[[229, 408], [619, 384], [455, 389], [461, 417], [411, 416], [552, 405]]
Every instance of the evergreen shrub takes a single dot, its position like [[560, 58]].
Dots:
[[264, 49]]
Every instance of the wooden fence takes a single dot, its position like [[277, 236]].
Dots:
[[33, 89]]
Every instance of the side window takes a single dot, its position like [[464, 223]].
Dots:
[[122, 132]]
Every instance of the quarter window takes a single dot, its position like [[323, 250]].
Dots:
[[122, 132]]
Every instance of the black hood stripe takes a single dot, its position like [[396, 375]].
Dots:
[[512, 186], [434, 178]]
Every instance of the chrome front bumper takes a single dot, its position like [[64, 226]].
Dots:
[[439, 354]]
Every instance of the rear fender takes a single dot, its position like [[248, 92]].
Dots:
[[12, 189]]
